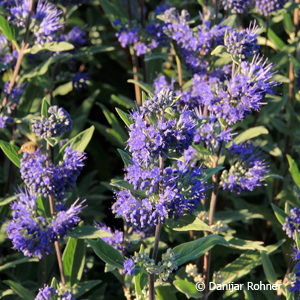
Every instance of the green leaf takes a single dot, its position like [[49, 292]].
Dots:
[[276, 40], [63, 89], [45, 107], [20, 290], [208, 173], [123, 184], [43, 206], [83, 287], [6, 29], [79, 142], [219, 51], [11, 151], [123, 100], [125, 117], [268, 267], [140, 282], [250, 134], [125, 157], [297, 239], [244, 244], [12, 264], [245, 263], [73, 260], [5, 201], [294, 170], [186, 223], [192, 250], [52, 46], [279, 213], [107, 253], [114, 10], [144, 86], [186, 287], [88, 232], [165, 292]]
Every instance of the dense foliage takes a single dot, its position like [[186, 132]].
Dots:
[[149, 149]]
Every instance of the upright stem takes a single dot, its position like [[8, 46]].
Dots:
[[21, 53], [134, 61], [52, 211], [156, 240], [212, 208]]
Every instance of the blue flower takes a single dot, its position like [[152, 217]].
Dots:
[[247, 170], [292, 223], [45, 20], [57, 123], [242, 44], [79, 81], [237, 6], [51, 179], [129, 267], [267, 7], [49, 293], [33, 233]]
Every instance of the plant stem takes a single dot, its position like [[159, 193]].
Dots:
[[156, 240], [134, 61], [212, 208], [52, 211], [21, 54]]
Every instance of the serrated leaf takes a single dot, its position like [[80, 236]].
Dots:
[[73, 260], [294, 170], [11, 151], [107, 253], [22, 292]]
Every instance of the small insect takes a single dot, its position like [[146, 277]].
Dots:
[[28, 147]]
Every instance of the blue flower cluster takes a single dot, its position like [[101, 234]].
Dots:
[[242, 44], [54, 180], [159, 192], [6, 115], [267, 7], [238, 96], [57, 123], [194, 43], [79, 81], [237, 6], [50, 293], [129, 36], [45, 20], [33, 233], [292, 223], [247, 170], [295, 286]]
